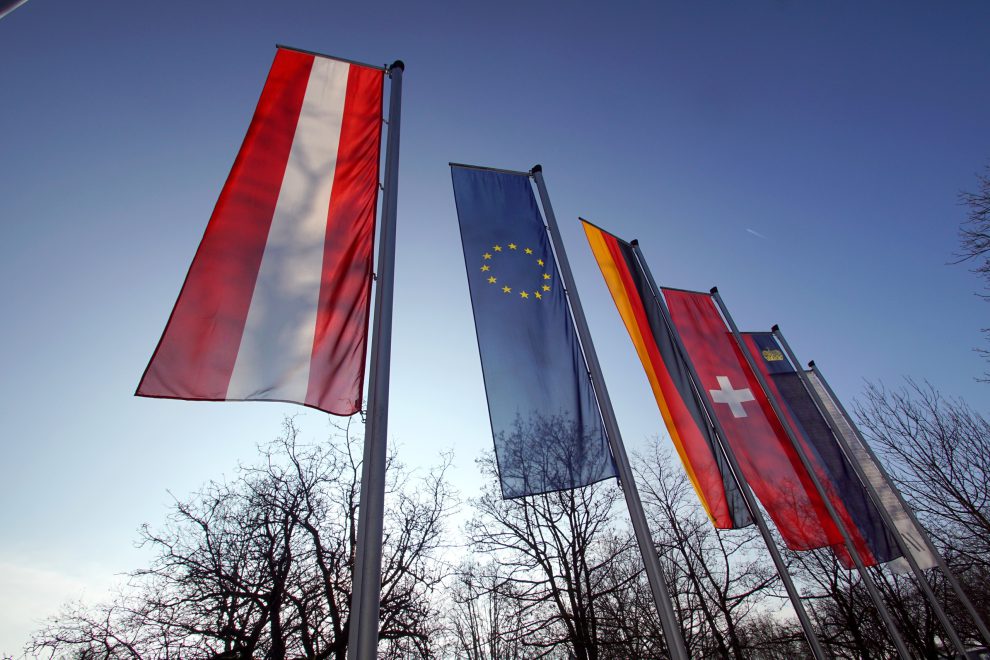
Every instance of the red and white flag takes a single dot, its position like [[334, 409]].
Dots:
[[275, 306], [767, 458]]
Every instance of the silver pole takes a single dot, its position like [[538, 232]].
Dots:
[[949, 575], [366, 593], [751, 504], [661, 596], [12, 7], [878, 503], [809, 468]]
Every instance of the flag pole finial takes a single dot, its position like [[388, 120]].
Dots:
[[634, 242], [713, 290], [811, 364], [398, 64], [536, 168], [775, 328]]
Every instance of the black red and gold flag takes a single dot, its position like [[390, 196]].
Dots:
[[679, 403]]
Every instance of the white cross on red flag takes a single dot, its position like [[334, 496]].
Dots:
[[765, 454]]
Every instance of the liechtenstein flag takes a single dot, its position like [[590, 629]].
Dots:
[[849, 497], [276, 303], [545, 419]]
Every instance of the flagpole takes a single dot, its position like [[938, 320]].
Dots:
[[654, 573], [754, 510], [878, 503], [367, 581], [949, 575], [15, 5], [819, 488]]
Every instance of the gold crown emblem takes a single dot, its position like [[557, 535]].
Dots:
[[772, 355]]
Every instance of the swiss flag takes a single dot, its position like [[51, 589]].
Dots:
[[765, 454], [276, 302]]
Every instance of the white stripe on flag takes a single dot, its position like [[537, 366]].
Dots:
[[901, 519], [273, 359]]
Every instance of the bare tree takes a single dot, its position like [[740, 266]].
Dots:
[[974, 240], [938, 452], [260, 567], [845, 619], [720, 580], [554, 553], [485, 614]]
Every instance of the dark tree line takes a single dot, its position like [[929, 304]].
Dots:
[[259, 566], [974, 241]]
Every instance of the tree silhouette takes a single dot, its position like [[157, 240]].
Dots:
[[260, 566]]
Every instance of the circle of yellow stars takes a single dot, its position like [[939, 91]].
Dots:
[[536, 293]]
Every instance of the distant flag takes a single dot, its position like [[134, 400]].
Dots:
[[545, 419], [767, 458], [276, 302], [682, 410], [913, 538], [849, 496]]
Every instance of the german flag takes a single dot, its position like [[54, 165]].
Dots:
[[682, 410]]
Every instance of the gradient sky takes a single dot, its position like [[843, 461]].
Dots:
[[806, 158]]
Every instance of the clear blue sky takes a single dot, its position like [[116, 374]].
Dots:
[[806, 158]]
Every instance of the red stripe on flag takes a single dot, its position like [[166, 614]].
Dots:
[[702, 463], [765, 454], [196, 354], [834, 497], [336, 376]]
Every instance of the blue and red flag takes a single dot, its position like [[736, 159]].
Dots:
[[545, 418], [848, 495]]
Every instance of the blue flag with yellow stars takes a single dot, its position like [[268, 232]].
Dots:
[[546, 424]]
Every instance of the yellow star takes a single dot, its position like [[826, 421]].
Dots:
[[546, 276], [523, 294], [546, 287], [497, 248], [491, 280], [487, 256], [485, 268], [539, 261], [506, 289], [512, 246], [538, 295], [528, 251]]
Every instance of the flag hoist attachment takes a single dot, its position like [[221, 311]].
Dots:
[[552, 423]]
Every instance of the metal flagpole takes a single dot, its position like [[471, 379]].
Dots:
[[949, 575], [751, 504], [661, 596], [875, 496], [14, 5], [362, 643], [809, 468]]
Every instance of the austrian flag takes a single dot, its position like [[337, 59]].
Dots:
[[276, 302]]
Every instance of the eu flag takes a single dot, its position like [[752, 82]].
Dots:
[[545, 420]]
